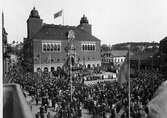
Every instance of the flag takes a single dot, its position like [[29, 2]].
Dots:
[[157, 107], [123, 73], [58, 14]]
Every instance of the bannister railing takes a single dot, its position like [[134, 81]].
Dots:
[[14, 102]]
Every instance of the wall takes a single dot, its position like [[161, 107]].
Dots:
[[81, 57]]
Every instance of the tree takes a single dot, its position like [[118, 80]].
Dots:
[[105, 47]]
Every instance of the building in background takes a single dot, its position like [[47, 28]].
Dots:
[[116, 57], [6, 57], [47, 45]]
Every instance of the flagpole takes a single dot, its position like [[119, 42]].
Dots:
[[50, 61], [63, 16], [129, 81], [3, 61]]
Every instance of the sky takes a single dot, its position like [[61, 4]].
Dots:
[[113, 21]]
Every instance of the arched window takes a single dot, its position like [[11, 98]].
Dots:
[[58, 49], [44, 47], [91, 47], [86, 47], [52, 47], [83, 47], [48, 47], [55, 47]]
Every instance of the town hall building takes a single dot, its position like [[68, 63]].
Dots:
[[47, 45]]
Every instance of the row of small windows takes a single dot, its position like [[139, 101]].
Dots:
[[113, 60], [118, 60], [51, 47], [57, 47], [108, 55], [88, 47]]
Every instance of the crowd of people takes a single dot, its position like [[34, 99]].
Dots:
[[102, 100]]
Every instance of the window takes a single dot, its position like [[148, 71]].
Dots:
[[88, 47], [93, 47], [48, 47], [55, 47], [83, 47], [51, 47], [44, 47], [58, 47]]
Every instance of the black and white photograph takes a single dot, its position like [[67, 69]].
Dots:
[[84, 58]]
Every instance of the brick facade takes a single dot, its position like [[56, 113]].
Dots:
[[41, 51]]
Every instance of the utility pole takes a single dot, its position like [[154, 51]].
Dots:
[[129, 94]]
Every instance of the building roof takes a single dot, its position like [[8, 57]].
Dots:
[[60, 32], [119, 53]]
